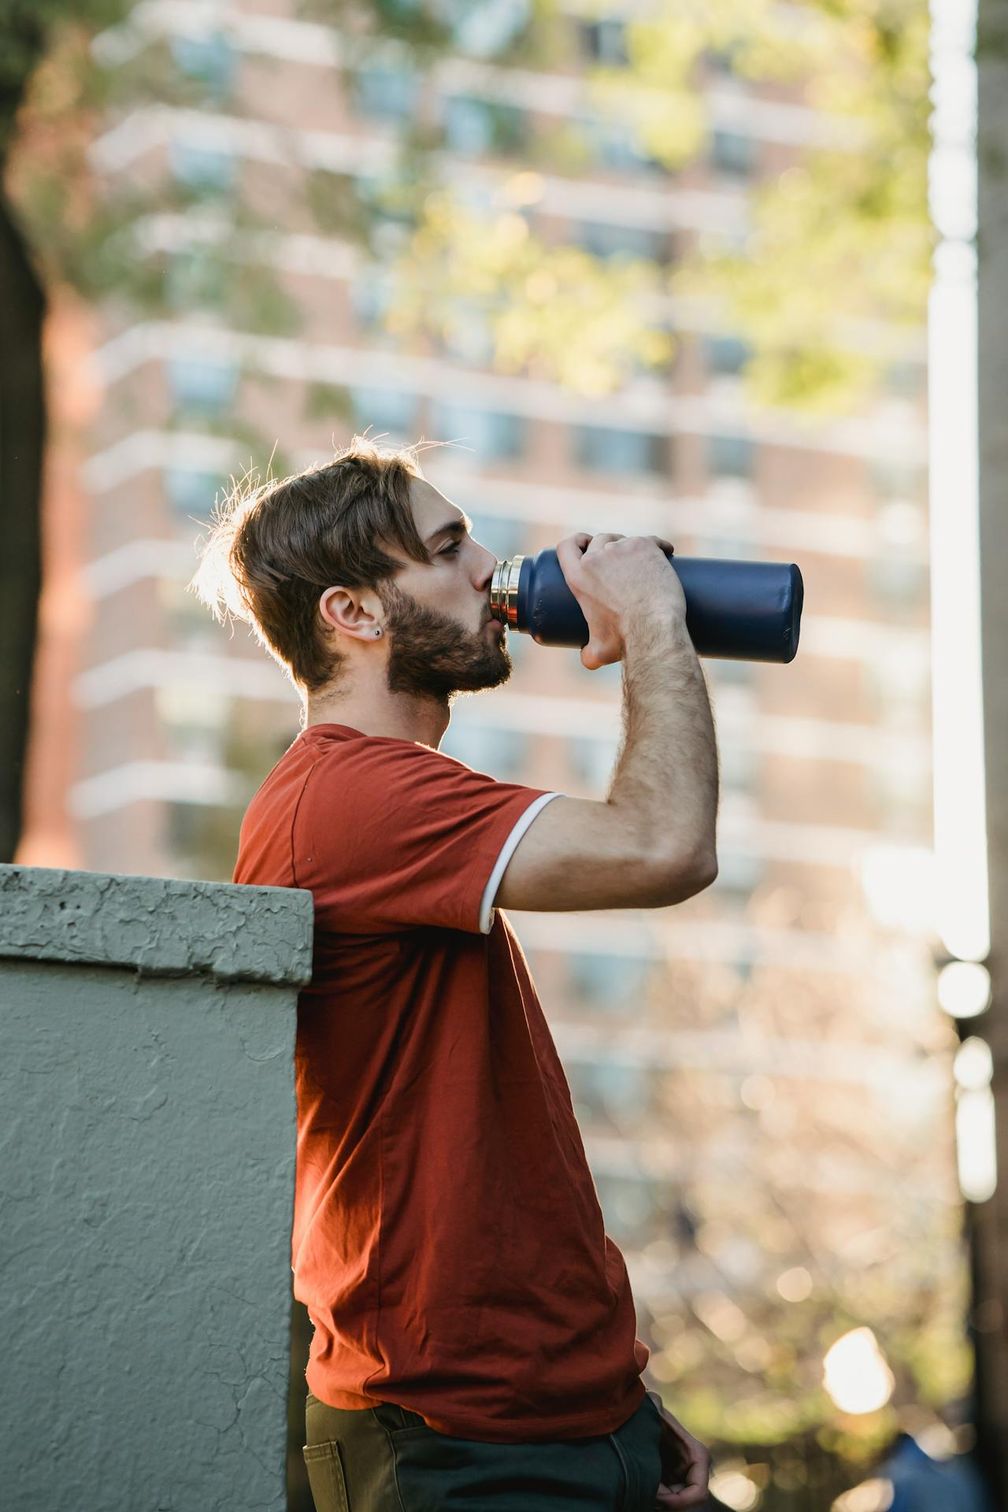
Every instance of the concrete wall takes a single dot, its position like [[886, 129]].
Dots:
[[146, 1184]]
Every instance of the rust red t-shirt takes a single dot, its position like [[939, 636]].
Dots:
[[448, 1241]]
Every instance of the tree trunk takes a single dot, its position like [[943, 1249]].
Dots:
[[22, 437]]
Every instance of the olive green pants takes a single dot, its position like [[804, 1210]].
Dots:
[[386, 1459]]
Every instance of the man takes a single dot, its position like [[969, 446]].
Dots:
[[474, 1332]]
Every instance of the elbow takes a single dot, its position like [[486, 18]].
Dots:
[[700, 874], [684, 878]]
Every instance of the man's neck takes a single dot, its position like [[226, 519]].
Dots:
[[402, 718]]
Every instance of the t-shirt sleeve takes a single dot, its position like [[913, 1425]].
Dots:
[[390, 834]]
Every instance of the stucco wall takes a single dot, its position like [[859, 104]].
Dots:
[[146, 1186]]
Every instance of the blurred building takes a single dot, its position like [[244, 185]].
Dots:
[[761, 1074]]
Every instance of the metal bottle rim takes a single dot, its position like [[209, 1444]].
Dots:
[[504, 591]]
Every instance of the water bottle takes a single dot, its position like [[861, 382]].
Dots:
[[741, 611]]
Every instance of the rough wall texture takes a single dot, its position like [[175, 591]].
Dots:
[[156, 925], [146, 1187]]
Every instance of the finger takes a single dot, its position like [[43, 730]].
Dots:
[[598, 541], [691, 1491], [569, 553], [581, 539], [691, 1486], [689, 1496]]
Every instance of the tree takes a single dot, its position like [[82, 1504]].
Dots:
[[27, 29], [830, 285]]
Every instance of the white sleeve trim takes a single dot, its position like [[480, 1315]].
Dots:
[[487, 909]]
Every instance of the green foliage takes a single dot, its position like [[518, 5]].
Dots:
[[326, 401], [335, 205], [553, 311], [90, 234], [837, 242], [843, 235], [28, 28]]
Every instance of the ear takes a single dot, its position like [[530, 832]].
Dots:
[[344, 611]]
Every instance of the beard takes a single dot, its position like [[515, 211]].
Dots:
[[433, 655]]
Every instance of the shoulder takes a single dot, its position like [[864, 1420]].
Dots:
[[384, 766]]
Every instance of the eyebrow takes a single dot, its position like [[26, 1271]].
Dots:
[[456, 527]]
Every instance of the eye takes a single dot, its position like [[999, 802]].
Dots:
[[449, 550]]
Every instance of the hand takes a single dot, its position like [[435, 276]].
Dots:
[[613, 576], [685, 1464]]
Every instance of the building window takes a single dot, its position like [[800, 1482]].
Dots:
[[385, 410], [592, 759], [603, 41], [739, 874], [739, 766], [629, 1204], [503, 754], [613, 983], [474, 127], [727, 672], [614, 144], [604, 1089], [732, 153], [392, 11], [504, 536], [487, 29], [189, 627], [389, 199], [902, 796], [721, 62], [202, 839], [482, 435], [598, 448], [386, 94], [896, 478], [905, 379], [898, 681], [205, 387], [897, 581], [726, 547], [730, 456], [370, 296], [193, 724], [207, 170], [209, 59], [726, 355], [606, 239], [468, 336], [195, 276], [191, 491]]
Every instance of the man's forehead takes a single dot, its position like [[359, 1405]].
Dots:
[[432, 511]]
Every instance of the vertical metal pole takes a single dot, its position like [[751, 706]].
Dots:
[[990, 1219]]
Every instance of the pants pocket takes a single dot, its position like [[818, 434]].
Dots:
[[325, 1476]]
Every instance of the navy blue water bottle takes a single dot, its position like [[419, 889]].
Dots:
[[740, 611]]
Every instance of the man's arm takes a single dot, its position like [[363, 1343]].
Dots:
[[666, 775], [652, 841]]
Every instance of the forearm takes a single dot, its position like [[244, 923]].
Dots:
[[666, 774]]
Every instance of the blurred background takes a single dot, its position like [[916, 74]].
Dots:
[[649, 267]]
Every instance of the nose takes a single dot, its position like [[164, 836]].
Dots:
[[486, 576]]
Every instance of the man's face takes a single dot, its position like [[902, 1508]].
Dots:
[[440, 638]]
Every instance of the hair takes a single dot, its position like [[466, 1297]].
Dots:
[[273, 547]]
